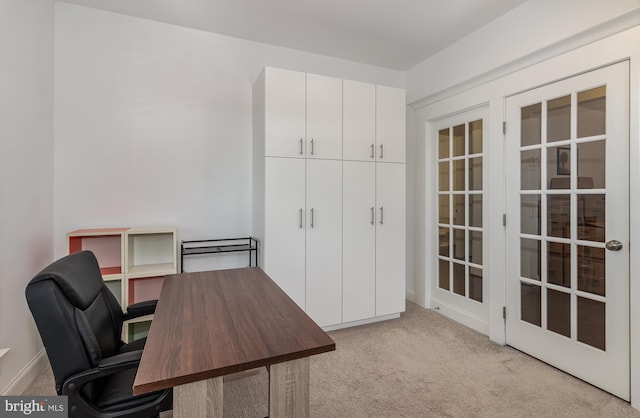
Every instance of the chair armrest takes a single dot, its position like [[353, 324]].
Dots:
[[111, 365], [139, 309], [121, 361], [79, 406]]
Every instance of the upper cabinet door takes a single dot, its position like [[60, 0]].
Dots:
[[324, 117], [359, 120], [390, 124], [284, 113]]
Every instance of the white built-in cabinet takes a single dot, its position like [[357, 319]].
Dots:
[[359, 241], [284, 225], [303, 118], [373, 240], [324, 241], [302, 248], [374, 122], [329, 193], [374, 200], [390, 238]]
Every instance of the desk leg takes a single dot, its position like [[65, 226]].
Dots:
[[289, 389], [198, 399]]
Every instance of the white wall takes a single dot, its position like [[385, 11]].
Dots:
[[499, 60], [153, 122], [26, 176], [533, 26]]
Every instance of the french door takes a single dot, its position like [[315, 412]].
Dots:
[[567, 192]]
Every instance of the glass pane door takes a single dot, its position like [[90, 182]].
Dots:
[[562, 208], [567, 264], [460, 203]]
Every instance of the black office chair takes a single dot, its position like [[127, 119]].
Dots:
[[80, 323]]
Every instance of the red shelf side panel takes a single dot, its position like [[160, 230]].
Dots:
[[107, 249], [146, 288]]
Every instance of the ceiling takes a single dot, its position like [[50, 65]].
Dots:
[[394, 34]]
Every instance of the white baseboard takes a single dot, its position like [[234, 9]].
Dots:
[[411, 296], [27, 375], [462, 317], [361, 322]]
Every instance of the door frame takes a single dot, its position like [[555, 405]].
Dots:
[[470, 313]]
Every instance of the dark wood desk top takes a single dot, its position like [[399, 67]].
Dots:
[[215, 323]]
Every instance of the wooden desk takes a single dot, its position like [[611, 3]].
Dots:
[[210, 324]]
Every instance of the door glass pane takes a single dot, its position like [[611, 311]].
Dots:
[[475, 137], [458, 279], [443, 143], [559, 119], [458, 141], [591, 165], [530, 300], [562, 215], [475, 173], [458, 244], [443, 176], [458, 175], [443, 234], [475, 284], [443, 274], [530, 125], [591, 322], [458, 209], [443, 209], [591, 221], [591, 270], [559, 167], [558, 216], [592, 112], [475, 210], [475, 247], [530, 170], [559, 264], [530, 258], [559, 312], [530, 214]]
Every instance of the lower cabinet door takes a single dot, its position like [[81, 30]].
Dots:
[[284, 242], [390, 238], [359, 238], [324, 241]]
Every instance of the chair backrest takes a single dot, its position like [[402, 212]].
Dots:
[[78, 318]]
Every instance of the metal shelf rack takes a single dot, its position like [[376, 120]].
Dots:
[[219, 246]]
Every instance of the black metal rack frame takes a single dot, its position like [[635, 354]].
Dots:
[[219, 246]]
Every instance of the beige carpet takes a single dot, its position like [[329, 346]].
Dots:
[[422, 365]]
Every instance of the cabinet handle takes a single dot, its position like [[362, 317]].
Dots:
[[372, 151], [373, 214], [300, 224], [311, 146], [381, 215], [312, 217], [301, 145], [381, 151]]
